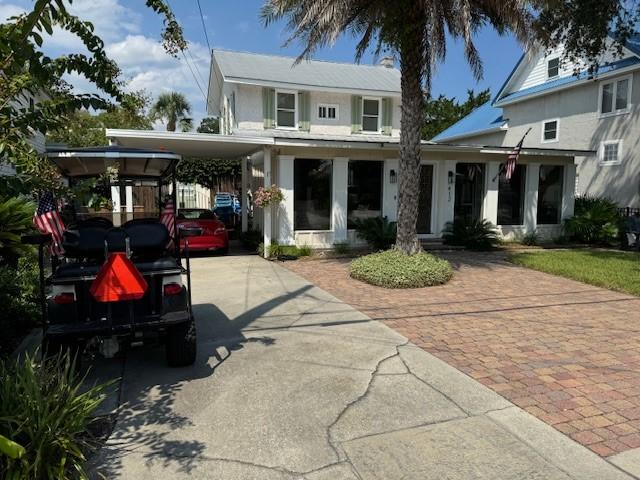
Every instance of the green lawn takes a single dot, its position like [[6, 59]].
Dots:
[[603, 268]]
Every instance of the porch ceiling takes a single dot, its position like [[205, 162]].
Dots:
[[189, 144]]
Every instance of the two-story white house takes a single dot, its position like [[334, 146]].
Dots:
[[328, 135], [565, 110]]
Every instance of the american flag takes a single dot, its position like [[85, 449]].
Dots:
[[512, 159], [168, 216], [47, 219]]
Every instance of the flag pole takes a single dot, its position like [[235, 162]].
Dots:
[[503, 165]]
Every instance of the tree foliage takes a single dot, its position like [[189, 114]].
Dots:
[[442, 112], [209, 125], [174, 109]]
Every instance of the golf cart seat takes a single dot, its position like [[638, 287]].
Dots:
[[82, 269]]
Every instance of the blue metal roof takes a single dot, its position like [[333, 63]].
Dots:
[[485, 117], [633, 44], [627, 62]]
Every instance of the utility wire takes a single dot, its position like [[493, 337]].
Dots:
[[204, 27]]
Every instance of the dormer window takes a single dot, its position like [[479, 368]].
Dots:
[[553, 68], [371, 115], [286, 109]]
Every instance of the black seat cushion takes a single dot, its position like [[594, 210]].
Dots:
[[77, 269]]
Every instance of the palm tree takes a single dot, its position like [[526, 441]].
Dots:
[[415, 31], [172, 108]]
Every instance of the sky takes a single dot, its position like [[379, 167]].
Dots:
[[131, 33]]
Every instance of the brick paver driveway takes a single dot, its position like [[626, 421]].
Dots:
[[566, 352]]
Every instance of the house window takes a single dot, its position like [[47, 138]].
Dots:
[[553, 67], [550, 185], [511, 197], [364, 191], [610, 152], [371, 115], [615, 96], [327, 112], [286, 111], [312, 194], [550, 130]]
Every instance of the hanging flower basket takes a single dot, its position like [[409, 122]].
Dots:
[[264, 197]]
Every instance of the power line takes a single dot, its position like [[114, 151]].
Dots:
[[204, 27]]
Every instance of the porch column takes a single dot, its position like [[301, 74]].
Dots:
[[116, 207], [531, 198], [490, 206], [286, 234], [340, 199], [243, 194], [568, 190], [266, 224], [390, 191], [447, 192]]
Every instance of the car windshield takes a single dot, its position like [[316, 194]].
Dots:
[[196, 214]]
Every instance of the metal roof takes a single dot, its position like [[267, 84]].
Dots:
[[258, 69], [485, 118]]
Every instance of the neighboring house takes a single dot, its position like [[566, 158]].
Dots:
[[328, 135], [600, 112]]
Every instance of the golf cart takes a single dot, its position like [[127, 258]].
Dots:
[[119, 282]]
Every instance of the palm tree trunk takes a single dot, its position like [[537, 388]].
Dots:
[[411, 66]]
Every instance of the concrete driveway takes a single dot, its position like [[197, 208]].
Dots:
[[291, 383]]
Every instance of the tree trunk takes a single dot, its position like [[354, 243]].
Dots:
[[411, 67]]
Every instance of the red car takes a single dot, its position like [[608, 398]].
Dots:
[[214, 235]]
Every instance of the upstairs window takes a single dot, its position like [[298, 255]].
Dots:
[[553, 67], [327, 112], [286, 109], [550, 130], [371, 115], [610, 152], [615, 96]]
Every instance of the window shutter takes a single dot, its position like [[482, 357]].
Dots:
[[304, 104], [356, 114], [269, 107], [387, 115]]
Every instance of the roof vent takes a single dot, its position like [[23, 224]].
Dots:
[[387, 61]]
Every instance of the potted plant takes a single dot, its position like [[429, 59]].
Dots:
[[264, 197]]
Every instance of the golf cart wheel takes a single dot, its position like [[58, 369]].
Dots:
[[181, 344], [54, 346]]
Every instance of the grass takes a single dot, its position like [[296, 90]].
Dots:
[[394, 269], [603, 268]]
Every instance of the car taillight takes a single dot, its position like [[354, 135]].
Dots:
[[172, 289], [64, 298]]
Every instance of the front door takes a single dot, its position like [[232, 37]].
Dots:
[[469, 191], [423, 225]]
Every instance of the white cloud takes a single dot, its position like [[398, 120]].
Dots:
[[8, 10]]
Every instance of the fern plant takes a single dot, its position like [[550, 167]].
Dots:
[[15, 221], [471, 234], [595, 221], [378, 232]]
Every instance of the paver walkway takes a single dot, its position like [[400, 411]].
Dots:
[[566, 352], [290, 383]]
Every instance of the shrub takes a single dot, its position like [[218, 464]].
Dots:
[[471, 234], [378, 232], [251, 239], [530, 238], [341, 248], [15, 220], [395, 269], [277, 251], [595, 221], [44, 410], [304, 251]]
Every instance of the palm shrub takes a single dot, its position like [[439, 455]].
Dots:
[[44, 409], [595, 221], [15, 220], [378, 232], [472, 234]]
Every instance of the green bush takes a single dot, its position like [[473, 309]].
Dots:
[[44, 410], [304, 251], [471, 234], [277, 251], [530, 238], [16, 216], [378, 232], [395, 269], [341, 248], [595, 221]]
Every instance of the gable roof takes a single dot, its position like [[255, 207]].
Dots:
[[278, 71], [486, 118]]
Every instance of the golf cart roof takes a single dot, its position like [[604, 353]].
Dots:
[[131, 162]]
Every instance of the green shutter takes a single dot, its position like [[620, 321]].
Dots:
[[387, 116], [269, 107], [356, 114], [304, 107]]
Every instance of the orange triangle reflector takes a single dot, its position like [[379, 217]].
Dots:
[[118, 280]]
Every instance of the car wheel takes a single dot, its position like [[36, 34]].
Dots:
[[181, 344]]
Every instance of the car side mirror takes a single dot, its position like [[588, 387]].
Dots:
[[190, 232], [36, 239]]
